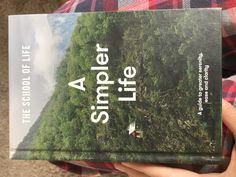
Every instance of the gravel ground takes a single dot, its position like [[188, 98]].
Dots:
[[9, 168]]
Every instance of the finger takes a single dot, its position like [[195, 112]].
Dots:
[[229, 116], [160, 171], [130, 172]]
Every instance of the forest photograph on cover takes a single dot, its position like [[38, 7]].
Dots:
[[163, 47]]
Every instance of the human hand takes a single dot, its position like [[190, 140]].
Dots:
[[146, 170]]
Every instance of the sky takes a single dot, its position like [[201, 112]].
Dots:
[[46, 55]]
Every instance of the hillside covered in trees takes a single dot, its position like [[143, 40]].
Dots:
[[163, 47]]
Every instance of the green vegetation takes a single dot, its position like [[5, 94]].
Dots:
[[163, 47]]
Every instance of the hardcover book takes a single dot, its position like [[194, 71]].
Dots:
[[140, 86]]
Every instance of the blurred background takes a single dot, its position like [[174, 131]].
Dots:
[[10, 168]]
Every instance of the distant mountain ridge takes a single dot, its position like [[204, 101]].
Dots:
[[24, 146]]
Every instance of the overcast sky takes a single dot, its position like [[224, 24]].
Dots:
[[33, 30]]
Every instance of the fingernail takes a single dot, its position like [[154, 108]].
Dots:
[[125, 163]]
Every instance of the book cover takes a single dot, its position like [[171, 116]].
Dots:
[[141, 86]]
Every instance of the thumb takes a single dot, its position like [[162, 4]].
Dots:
[[229, 116]]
